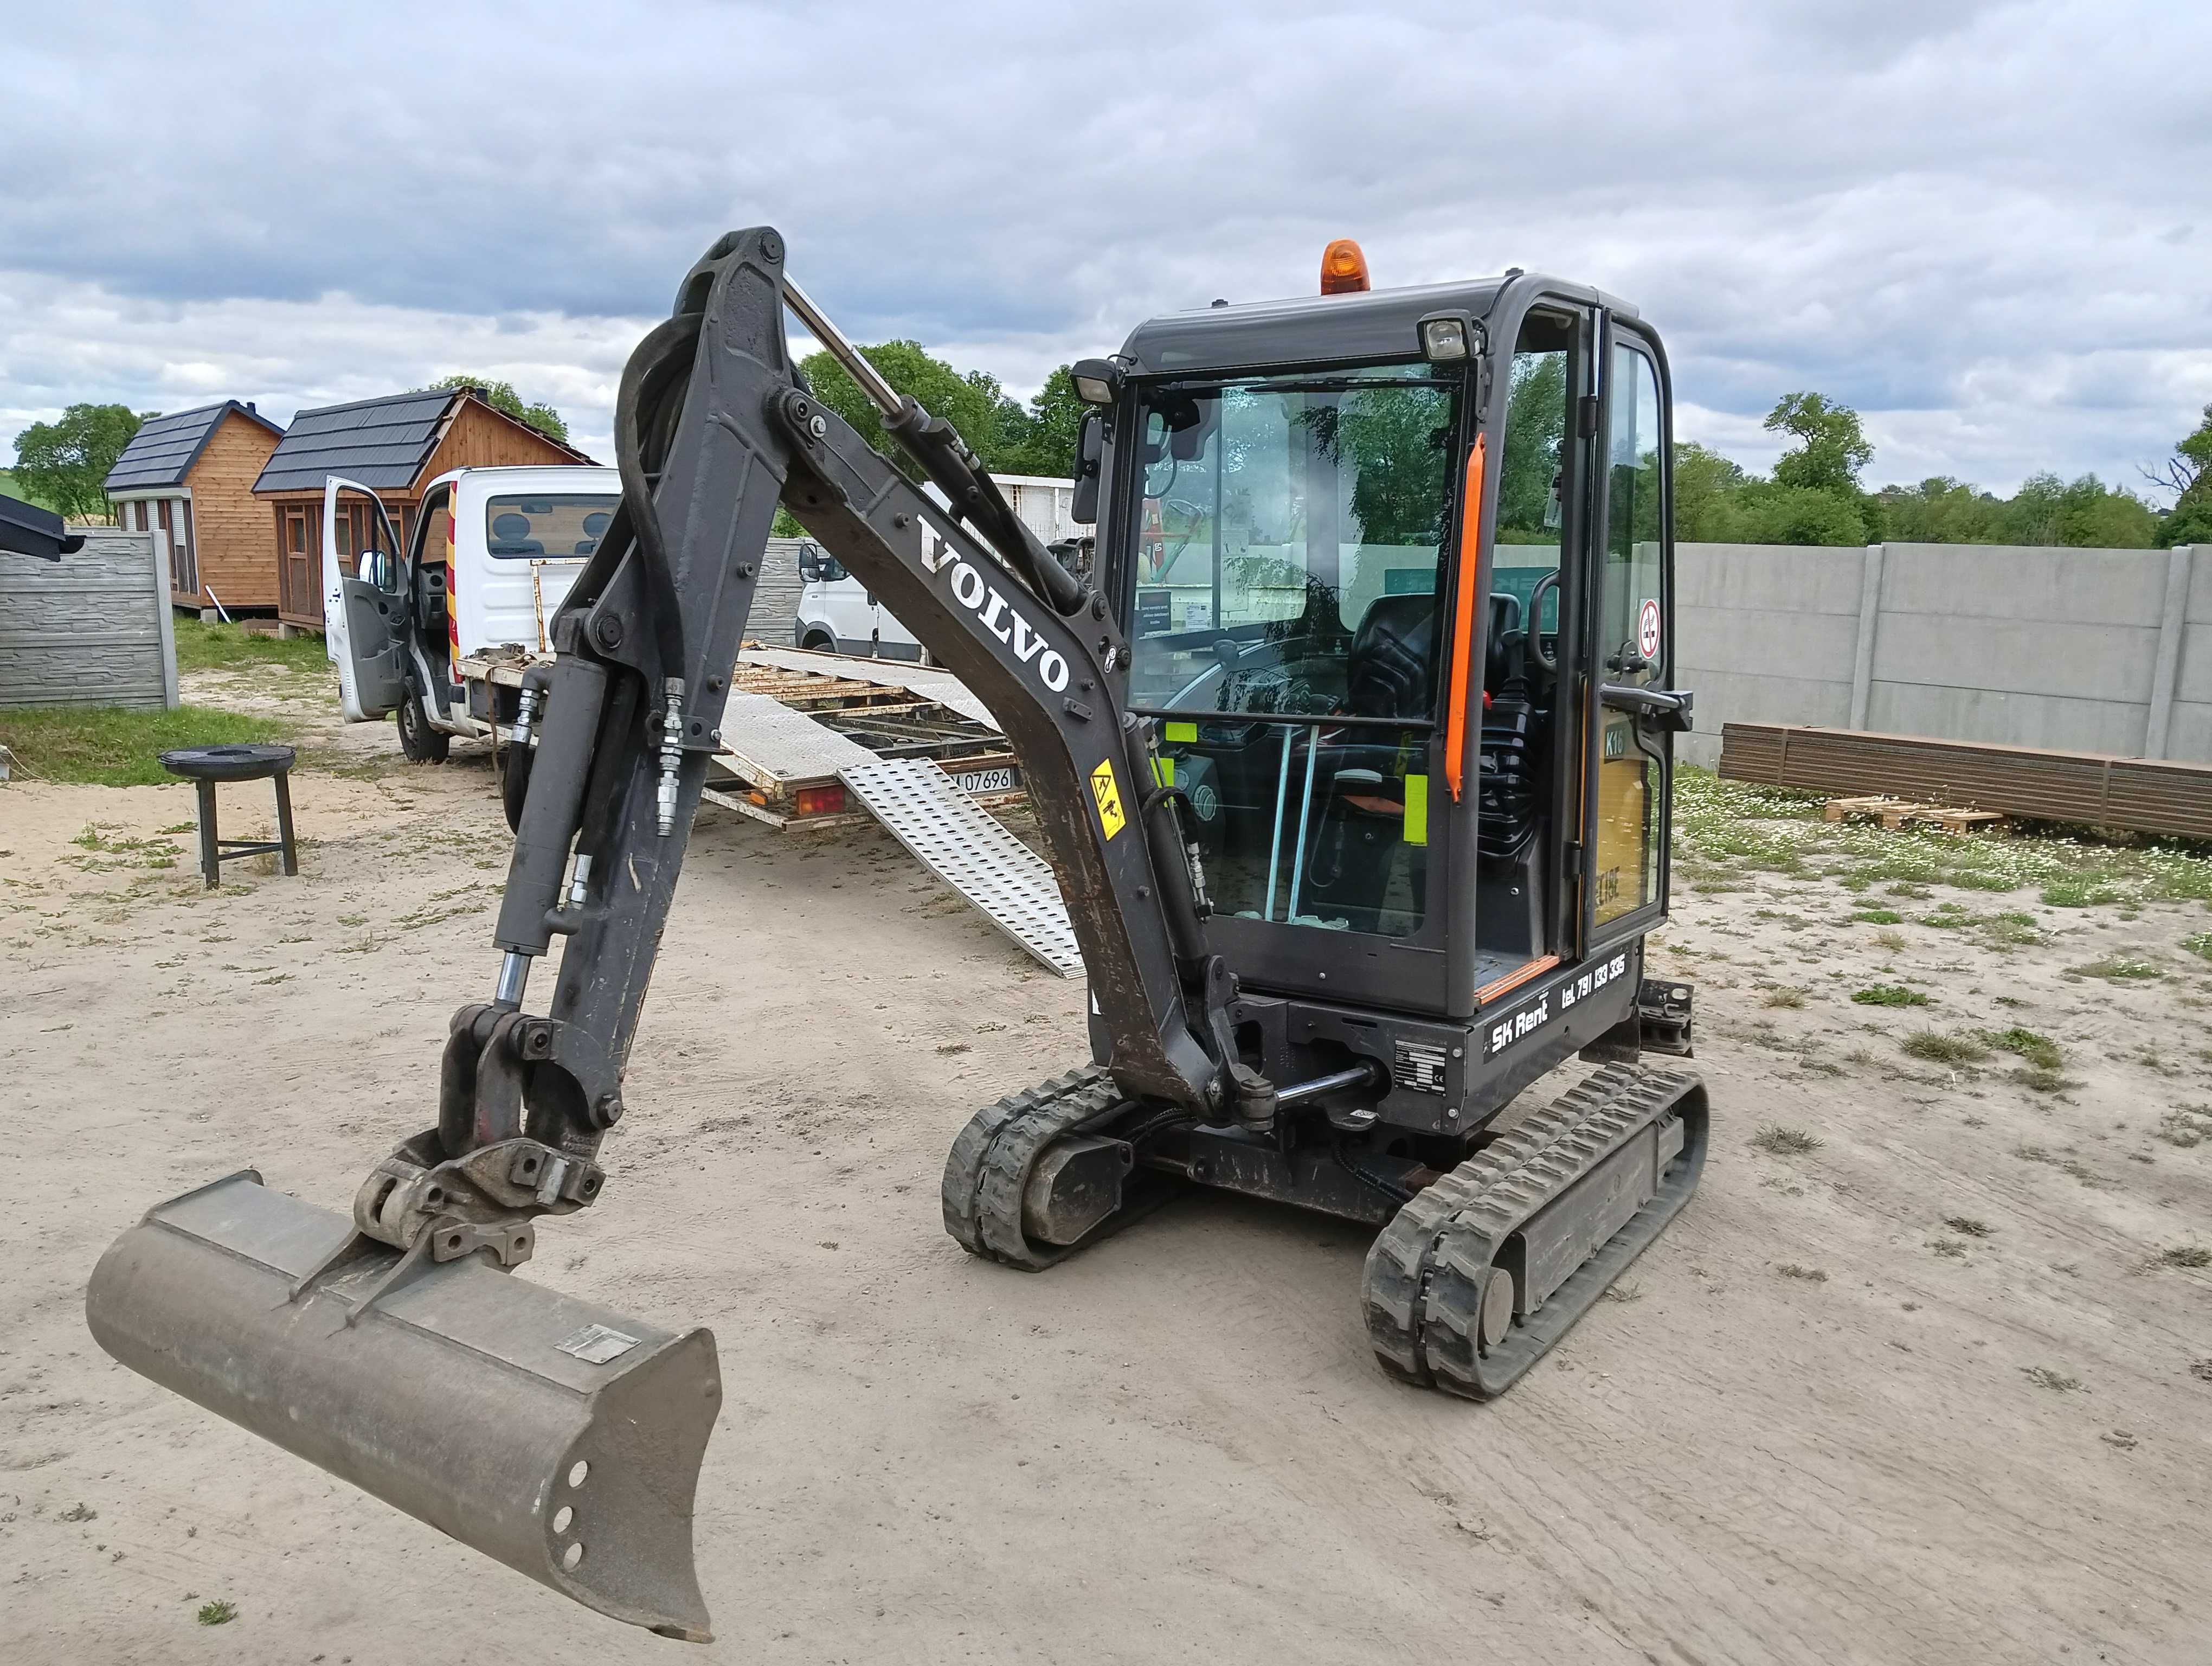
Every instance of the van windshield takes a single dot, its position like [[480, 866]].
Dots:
[[553, 525]]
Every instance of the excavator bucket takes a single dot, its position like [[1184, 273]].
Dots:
[[561, 1438]]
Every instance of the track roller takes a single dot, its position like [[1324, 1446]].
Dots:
[[1008, 1199], [1475, 1278]]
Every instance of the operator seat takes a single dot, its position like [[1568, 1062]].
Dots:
[[1388, 671]]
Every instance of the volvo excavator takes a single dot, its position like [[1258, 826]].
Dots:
[[1352, 758]]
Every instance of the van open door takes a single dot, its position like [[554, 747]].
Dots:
[[365, 618]]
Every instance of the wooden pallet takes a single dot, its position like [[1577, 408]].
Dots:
[[1896, 812]]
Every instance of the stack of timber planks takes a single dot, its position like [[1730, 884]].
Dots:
[[2093, 789]]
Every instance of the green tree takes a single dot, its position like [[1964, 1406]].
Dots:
[[1942, 510], [2188, 475], [1766, 512], [1043, 441], [1707, 486], [974, 403], [501, 396], [63, 462], [1831, 448], [2093, 516]]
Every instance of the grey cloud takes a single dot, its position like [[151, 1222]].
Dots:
[[1907, 205]]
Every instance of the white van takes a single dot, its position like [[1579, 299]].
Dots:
[[495, 552], [836, 613]]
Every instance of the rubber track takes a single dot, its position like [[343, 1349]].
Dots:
[[990, 1163], [1424, 1274]]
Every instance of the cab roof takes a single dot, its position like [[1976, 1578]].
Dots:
[[1374, 325]]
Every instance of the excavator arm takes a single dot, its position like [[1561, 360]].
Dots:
[[715, 429], [390, 1348]]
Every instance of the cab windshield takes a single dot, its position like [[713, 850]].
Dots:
[[1287, 543], [1284, 616]]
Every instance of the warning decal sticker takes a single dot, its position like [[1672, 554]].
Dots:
[[1647, 629], [1107, 792]]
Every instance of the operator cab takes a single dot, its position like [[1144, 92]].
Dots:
[[1354, 678]]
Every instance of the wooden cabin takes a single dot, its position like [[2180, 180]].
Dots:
[[395, 447], [192, 474]]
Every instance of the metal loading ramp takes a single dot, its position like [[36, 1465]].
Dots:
[[964, 845]]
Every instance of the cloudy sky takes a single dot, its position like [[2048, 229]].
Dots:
[[1988, 227]]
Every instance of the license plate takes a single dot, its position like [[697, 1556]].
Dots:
[[987, 781]]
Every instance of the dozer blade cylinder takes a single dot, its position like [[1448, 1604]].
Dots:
[[559, 1437]]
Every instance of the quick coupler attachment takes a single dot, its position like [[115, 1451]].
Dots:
[[561, 1438]]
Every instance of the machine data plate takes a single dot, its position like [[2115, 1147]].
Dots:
[[964, 845]]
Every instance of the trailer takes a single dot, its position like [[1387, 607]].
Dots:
[[795, 719]]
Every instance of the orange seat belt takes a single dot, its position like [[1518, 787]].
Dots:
[[1470, 549]]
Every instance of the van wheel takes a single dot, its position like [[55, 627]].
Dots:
[[422, 743], [820, 643]]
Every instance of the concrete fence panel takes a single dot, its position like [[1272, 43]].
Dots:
[[2088, 650], [92, 629], [1769, 629], [2189, 731]]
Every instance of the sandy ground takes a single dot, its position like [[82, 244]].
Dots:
[[1175, 1447]]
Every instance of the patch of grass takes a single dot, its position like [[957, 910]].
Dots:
[[2200, 944], [1877, 917], [2043, 1378], [1785, 997], [1966, 1224], [1944, 1049], [1908, 888], [1974, 879], [2039, 1050], [217, 1613], [1953, 1248], [232, 648], [2037, 1080], [1892, 939], [2118, 969], [111, 746], [2082, 893], [1790, 1269], [2185, 1255], [1888, 995], [1779, 1141]]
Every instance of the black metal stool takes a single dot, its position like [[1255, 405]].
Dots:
[[203, 766]]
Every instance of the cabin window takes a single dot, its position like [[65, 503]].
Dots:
[[548, 526]]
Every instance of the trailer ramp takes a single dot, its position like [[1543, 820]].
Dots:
[[964, 845]]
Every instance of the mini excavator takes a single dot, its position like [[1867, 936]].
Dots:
[[1352, 758]]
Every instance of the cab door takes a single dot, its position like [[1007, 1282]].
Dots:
[[365, 614], [1629, 645]]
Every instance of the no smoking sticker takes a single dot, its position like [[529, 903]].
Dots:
[[1647, 629]]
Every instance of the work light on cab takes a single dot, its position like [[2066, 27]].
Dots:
[[1444, 340], [1098, 381], [1343, 268]]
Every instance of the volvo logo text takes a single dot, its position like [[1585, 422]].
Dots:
[[973, 591]]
